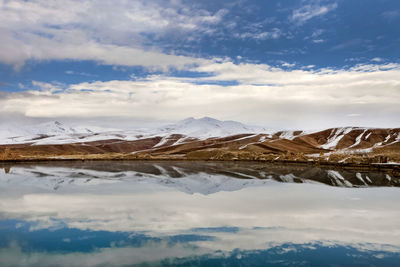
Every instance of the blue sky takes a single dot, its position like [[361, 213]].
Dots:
[[284, 64]]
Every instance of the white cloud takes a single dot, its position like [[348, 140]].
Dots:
[[377, 59], [71, 72], [110, 32], [315, 37], [265, 95], [317, 33], [288, 65], [391, 14], [275, 33], [308, 12]]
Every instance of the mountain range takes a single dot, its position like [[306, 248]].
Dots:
[[204, 138]]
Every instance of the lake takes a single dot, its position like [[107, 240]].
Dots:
[[123, 213]]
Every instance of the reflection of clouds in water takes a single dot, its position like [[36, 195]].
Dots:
[[250, 214], [150, 252], [290, 254], [306, 212]]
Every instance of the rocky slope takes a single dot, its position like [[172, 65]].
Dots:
[[207, 139]]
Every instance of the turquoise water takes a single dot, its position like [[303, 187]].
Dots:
[[196, 214]]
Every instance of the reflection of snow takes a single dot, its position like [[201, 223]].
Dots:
[[47, 177], [203, 178], [338, 178], [359, 177]]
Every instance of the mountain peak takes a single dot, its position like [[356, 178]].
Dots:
[[191, 119], [206, 127], [208, 119], [203, 119]]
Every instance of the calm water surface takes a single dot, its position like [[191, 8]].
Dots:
[[196, 214]]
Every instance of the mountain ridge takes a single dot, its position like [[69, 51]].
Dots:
[[211, 139]]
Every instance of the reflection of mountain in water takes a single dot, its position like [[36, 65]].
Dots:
[[190, 177]]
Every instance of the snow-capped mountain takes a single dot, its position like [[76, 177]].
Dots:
[[47, 128], [208, 127], [204, 138], [10, 134], [59, 133]]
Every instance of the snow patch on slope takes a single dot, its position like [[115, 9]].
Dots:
[[338, 179], [358, 139], [335, 136]]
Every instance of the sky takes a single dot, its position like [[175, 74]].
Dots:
[[280, 64]]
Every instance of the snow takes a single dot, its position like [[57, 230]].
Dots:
[[163, 141], [180, 141], [337, 136], [49, 133], [397, 139], [191, 128], [288, 135], [261, 140], [244, 146], [358, 139], [387, 138], [58, 133], [208, 127]]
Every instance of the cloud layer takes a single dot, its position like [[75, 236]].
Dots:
[[103, 31], [256, 93]]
